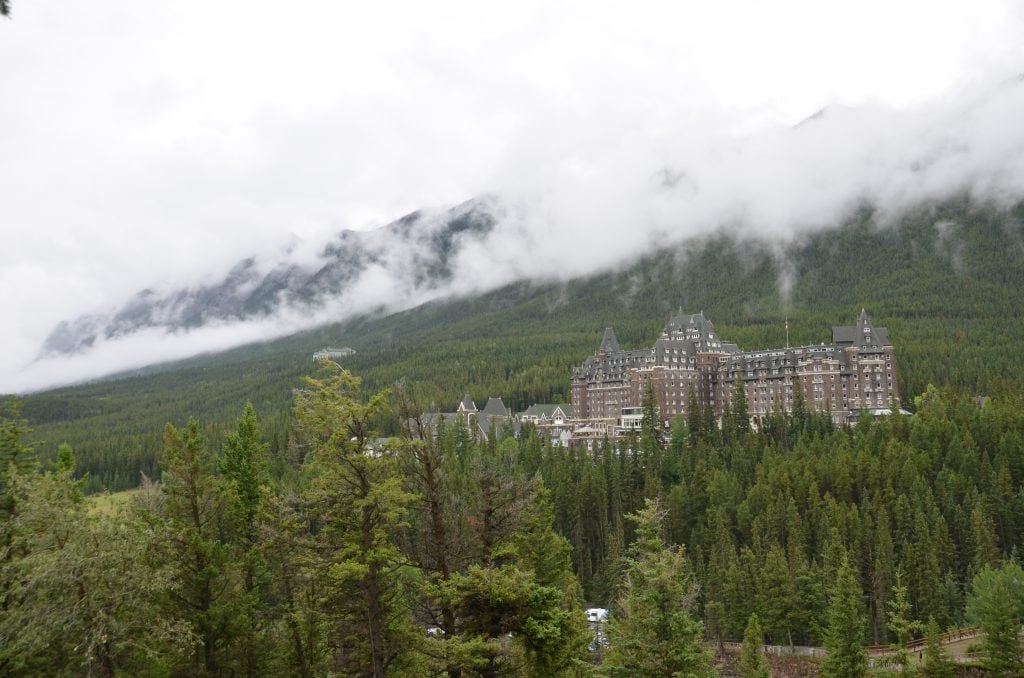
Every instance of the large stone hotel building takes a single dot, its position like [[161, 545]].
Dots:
[[855, 372]]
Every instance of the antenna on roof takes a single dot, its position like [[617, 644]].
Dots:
[[787, 331]]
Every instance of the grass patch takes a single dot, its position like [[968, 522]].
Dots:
[[109, 502]]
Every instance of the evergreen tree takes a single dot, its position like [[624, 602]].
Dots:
[[843, 638], [357, 503], [925, 580], [85, 602], [299, 621], [776, 597], [936, 664], [753, 663], [244, 468], [996, 605], [652, 631], [694, 418], [882, 573], [15, 452], [201, 564], [811, 603], [650, 446], [983, 539], [436, 544], [246, 490], [740, 415], [516, 603], [900, 623], [16, 459]]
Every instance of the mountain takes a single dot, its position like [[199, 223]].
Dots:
[[414, 251], [946, 279]]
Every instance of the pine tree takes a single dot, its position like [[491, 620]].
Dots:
[[358, 504], [984, 544], [937, 663], [900, 623], [694, 418], [740, 415], [516, 603], [299, 623], [776, 597], [85, 602], [882, 573], [652, 632], [843, 638], [753, 663], [16, 457], [246, 491], [244, 468], [996, 604], [206, 593]]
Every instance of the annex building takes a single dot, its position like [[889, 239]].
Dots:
[[855, 372]]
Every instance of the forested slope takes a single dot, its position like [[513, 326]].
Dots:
[[945, 279]]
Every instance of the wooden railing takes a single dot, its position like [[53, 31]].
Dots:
[[918, 644], [873, 651]]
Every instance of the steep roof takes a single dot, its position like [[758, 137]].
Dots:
[[467, 404], [691, 333], [495, 413], [495, 407], [864, 333], [609, 344], [683, 321]]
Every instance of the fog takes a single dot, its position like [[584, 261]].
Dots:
[[154, 148]]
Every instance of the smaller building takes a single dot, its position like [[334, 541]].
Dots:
[[553, 422], [329, 353], [478, 422]]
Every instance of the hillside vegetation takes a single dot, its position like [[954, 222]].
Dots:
[[946, 280], [279, 544]]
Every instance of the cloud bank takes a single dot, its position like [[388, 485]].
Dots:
[[154, 148]]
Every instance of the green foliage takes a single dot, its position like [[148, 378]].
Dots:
[[900, 623], [652, 631], [753, 663], [81, 600], [844, 637], [766, 515], [244, 468], [15, 454], [504, 587], [953, 320], [191, 552], [996, 605], [358, 504], [936, 663]]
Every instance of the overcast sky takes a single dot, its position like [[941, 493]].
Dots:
[[149, 144]]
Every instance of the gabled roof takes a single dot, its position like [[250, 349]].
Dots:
[[547, 410]]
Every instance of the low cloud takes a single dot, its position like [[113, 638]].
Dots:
[[143, 149]]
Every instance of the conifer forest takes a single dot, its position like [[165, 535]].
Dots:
[[449, 554], [328, 527]]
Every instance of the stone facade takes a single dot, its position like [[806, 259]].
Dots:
[[690, 363]]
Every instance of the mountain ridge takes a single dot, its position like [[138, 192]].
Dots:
[[415, 250]]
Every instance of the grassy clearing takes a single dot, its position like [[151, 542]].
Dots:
[[108, 502]]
